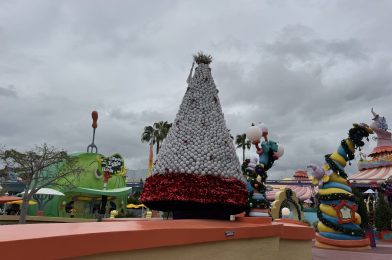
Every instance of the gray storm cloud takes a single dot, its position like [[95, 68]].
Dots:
[[307, 70]]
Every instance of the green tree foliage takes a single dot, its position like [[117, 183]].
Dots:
[[134, 198], [362, 210], [156, 133], [314, 225], [243, 143], [383, 214], [43, 166]]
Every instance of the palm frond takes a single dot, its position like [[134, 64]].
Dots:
[[148, 134]]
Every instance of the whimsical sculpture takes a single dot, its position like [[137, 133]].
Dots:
[[110, 166], [92, 146], [286, 199], [197, 172], [107, 168], [255, 171], [379, 122], [381, 156], [338, 221]]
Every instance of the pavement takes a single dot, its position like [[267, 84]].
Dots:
[[382, 251]]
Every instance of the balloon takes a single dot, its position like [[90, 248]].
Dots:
[[254, 134], [285, 212], [263, 127], [280, 151]]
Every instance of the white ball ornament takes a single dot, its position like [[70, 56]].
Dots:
[[285, 212], [263, 127], [280, 151], [254, 134]]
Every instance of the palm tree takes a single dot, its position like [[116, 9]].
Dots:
[[156, 133], [242, 142]]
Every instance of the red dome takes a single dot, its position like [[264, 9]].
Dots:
[[380, 149], [301, 174]]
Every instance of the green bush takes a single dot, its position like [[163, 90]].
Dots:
[[383, 214], [362, 210], [134, 199]]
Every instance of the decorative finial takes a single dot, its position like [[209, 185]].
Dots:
[[94, 115], [200, 57], [92, 146], [380, 121]]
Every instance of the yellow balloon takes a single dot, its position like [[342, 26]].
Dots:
[[326, 167]]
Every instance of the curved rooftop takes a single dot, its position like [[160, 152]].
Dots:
[[378, 168]]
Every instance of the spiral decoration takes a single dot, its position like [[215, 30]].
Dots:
[[255, 176], [337, 215], [255, 170]]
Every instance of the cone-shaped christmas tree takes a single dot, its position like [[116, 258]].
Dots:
[[197, 172]]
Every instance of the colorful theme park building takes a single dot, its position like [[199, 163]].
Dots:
[[100, 188], [376, 171], [85, 199], [81, 197]]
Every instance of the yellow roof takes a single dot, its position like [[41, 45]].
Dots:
[[134, 206], [19, 202]]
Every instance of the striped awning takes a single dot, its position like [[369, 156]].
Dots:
[[302, 192], [372, 176], [380, 149]]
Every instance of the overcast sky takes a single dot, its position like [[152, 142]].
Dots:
[[307, 69]]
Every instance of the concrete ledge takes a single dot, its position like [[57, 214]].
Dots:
[[82, 239], [14, 219], [255, 220], [158, 237]]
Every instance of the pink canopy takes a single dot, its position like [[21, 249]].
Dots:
[[302, 192], [372, 176], [5, 199]]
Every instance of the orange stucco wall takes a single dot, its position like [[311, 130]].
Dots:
[[70, 240]]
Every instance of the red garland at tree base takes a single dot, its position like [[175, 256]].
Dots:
[[195, 195]]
